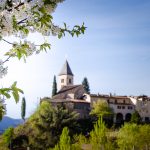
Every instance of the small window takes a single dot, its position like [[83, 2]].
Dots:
[[123, 107], [119, 107], [70, 81], [130, 107], [62, 80]]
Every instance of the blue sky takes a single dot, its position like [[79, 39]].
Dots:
[[114, 52]]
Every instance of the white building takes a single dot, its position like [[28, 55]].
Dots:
[[75, 96], [122, 106], [142, 105]]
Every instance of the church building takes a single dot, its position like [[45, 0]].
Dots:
[[76, 99], [70, 94]]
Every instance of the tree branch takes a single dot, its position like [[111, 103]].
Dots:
[[16, 7], [7, 59], [20, 4], [7, 41], [22, 21]]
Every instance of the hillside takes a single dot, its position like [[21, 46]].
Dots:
[[9, 122]]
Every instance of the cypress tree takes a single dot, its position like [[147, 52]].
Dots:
[[23, 108], [54, 88], [86, 86]]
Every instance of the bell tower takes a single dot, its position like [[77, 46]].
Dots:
[[65, 76]]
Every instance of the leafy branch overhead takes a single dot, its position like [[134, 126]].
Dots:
[[6, 93], [12, 90], [19, 18], [28, 17]]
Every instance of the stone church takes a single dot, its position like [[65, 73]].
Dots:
[[69, 94], [75, 98]]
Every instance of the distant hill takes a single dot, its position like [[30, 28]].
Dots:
[[9, 122]]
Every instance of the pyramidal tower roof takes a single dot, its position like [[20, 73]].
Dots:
[[66, 70]]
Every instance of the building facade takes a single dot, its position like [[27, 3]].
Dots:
[[122, 106], [142, 105], [75, 98]]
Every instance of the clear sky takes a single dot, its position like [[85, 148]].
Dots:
[[114, 52]]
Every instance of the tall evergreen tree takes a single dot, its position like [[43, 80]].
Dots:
[[86, 86], [54, 88], [98, 138], [23, 108], [65, 141]]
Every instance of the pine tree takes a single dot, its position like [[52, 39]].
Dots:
[[65, 142], [98, 138], [86, 86], [23, 108], [54, 88]]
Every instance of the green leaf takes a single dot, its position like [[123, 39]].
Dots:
[[16, 96], [42, 10], [14, 84], [59, 35], [7, 95], [44, 46], [65, 25], [19, 90]]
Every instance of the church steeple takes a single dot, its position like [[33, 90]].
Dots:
[[66, 70], [66, 75]]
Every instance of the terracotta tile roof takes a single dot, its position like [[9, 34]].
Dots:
[[122, 103], [124, 100], [99, 95], [77, 90], [68, 100], [59, 100], [79, 101], [120, 97]]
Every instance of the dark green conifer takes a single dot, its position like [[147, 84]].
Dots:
[[54, 88], [86, 86], [23, 108]]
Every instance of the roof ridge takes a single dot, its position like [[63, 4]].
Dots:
[[72, 87]]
